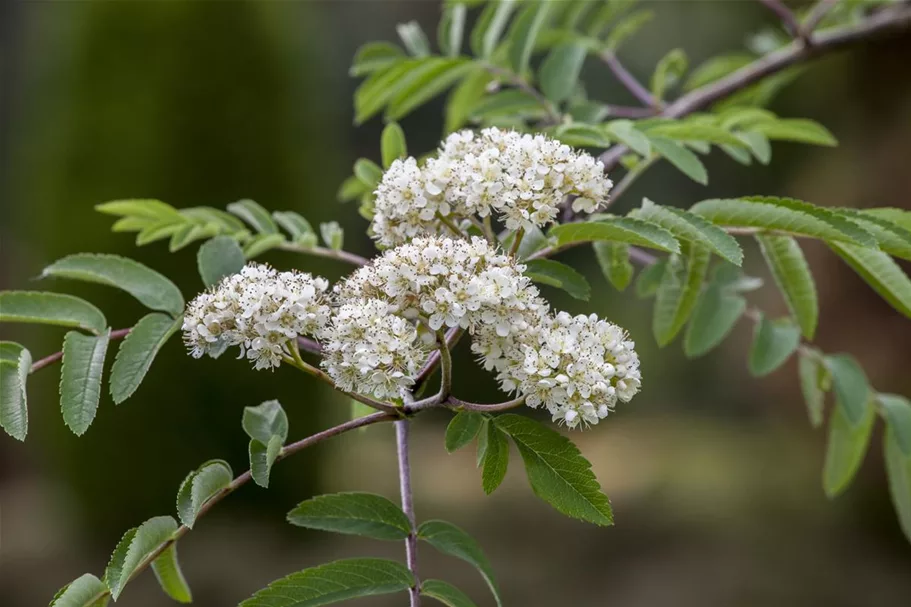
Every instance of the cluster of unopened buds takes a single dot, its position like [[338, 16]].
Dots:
[[378, 327]]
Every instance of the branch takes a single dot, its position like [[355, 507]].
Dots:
[[886, 21], [445, 365], [352, 258], [628, 80], [241, 480], [787, 18], [510, 404], [411, 542], [49, 360]]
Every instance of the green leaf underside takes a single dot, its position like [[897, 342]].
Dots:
[[334, 582], [524, 32], [774, 341], [880, 272], [613, 259], [462, 429], [170, 577], [683, 159], [813, 375], [199, 486], [146, 208], [80, 378], [219, 257], [620, 229], [898, 471], [783, 215], [677, 296], [255, 215], [452, 540], [897, 413], [51, 309], [560, 70], [262, 243], [14, 370], [392, 144], [262, 456], [152, 289], [556, 470], [85, 591], [445, 593], [795, 281], [852, 390], [892, 238], [364, 514], [496, 459], [298, 228], [138, 350], [136, 545], [845, 449], [714, 316], [692, 228], [559, 275], [265, 420], [650, 279]]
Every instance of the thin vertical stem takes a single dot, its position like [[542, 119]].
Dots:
[[411, 542], [445, 365]]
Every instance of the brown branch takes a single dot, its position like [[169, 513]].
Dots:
[[345, 256], [628, 80], [787, 18], [49, 360]]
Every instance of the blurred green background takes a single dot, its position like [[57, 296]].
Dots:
[[714, 476]]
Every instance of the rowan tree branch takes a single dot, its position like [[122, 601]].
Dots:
[[345, 256], [628, 80], [51, 359], [411, 542]]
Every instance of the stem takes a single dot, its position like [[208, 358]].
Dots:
[[624, 111], [445, 366], [510, 404], [517, 242], [352, 258], [411, 542], [787, 18], [49, 360], [488, 230], [298, 363], [452, 337], [308, 345], [452, 227], [628, 80], [817, 14]]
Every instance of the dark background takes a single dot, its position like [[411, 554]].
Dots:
[[714, 476]]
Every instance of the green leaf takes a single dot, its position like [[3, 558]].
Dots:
[[261, 243], [899, 217], [774, 341], [258, 217], [298, 228], [266, 420], [334, 582], [392, 144], [508, 103], [759, 145], [668, 72], [137, 544], [783, 215], [794, 279], [626, 132], [716, 68], [152, 289], [51, 309], [613, 258], [559, 72], [452, 540], [898, 471], [524, 32], [892, 238], [80, 378], [351, 189], [85, 591], [714, 316], [170, 577], [897, 413], [796, 129], [845, 449], [490, 26], [815, 381], [368, 172], [685, 161], [262, 456], [557, 472], [691, 228], [365, 514], [138, 350], [190, 233], [157, 231], [650, 279], [333, 235], [464, 97], [556, 274], [219, 257], [15, 365], [445, 593], [617, 229], [375, 92], [414, 39], [375, 56], [852, 390], [626, 28], [147, 209], [462, 429], [427, 81], [199, 487], [677, 295], [689, 132], [496, 459], [880, 272], [451, 30]]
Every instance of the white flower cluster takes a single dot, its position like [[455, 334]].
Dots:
[[259, 309], [524, 178]]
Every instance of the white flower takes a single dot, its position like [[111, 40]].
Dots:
[[523, 178], [259, 309], [369, 350]]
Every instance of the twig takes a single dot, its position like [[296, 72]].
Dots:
[[516, 242], [352, 258], [883, 22], [815, 16], [628, 80], [296, 362], [787, 18], [411, 542], [461, 404], [452, 336], [49, 360], [445, 365], [625, 111], [308, 345]]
